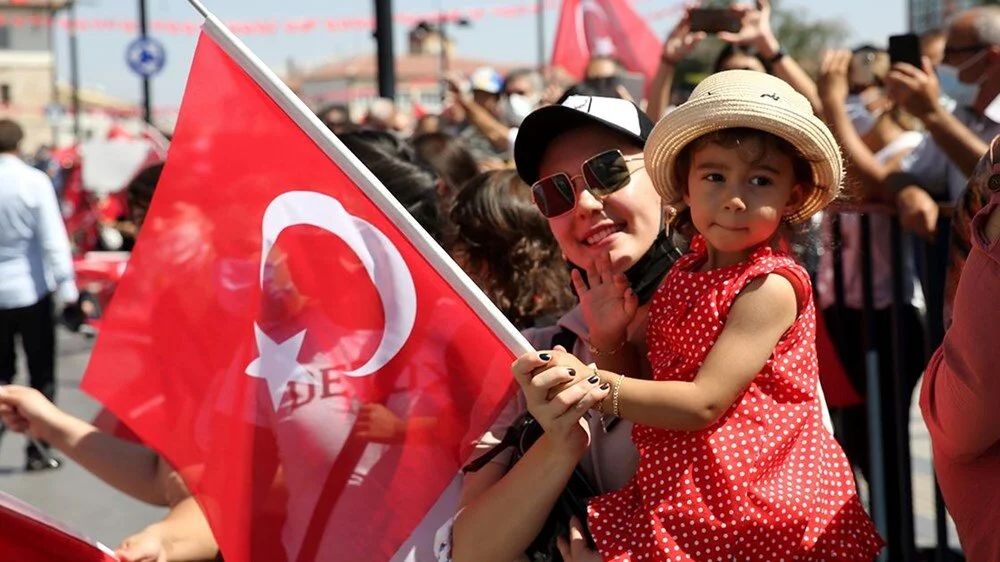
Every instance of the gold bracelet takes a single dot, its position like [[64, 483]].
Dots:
[[598, 353], [614, 397]]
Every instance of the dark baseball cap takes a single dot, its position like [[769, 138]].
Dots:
[[541, 126]]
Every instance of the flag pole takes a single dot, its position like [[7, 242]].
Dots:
[[365, 180]]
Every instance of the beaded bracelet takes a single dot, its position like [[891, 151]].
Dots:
[[614, 397]]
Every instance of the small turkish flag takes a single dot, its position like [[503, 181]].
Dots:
[[290, 340], [590, 28], [28, 535]]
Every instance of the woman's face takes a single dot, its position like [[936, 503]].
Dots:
[[624, 224], [742, 61]]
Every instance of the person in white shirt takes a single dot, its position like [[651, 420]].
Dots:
[[35, 263]]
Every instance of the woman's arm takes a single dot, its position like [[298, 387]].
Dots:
[[129, 467], [678, 45], [502, 513]]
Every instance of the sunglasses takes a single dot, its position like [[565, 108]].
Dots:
[[603, 175]]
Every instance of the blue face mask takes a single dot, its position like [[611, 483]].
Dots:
[[953, 87], [963, 94]]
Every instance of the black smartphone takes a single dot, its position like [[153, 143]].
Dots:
[[906, 48], [714, 20]]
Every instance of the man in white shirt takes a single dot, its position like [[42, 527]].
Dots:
[[35, 263]]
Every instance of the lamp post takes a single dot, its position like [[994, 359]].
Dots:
[[147, 110], [443, 41], [383, 41]]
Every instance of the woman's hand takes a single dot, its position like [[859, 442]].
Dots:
[[559, 390], [681, 41], [756, 28], [607, 302], [833, 84]]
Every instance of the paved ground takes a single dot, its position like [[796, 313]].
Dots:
[[87, 504], [71, 494]]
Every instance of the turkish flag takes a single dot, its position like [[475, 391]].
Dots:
[[290, 340], [604, 27], [28, 535]]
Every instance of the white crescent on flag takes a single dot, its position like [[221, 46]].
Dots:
[[380, 258]]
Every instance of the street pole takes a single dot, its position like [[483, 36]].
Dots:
[[383, 41], [147, 111], [443, 42], [74, 71], [541, 36], [54, 78]]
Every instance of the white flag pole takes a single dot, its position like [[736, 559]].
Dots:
[[365, 180]]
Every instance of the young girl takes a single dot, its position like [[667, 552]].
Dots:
[[735, 463]]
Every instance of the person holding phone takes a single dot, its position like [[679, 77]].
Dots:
[[939, 167]]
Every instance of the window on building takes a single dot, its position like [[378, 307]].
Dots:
[[5, 94]]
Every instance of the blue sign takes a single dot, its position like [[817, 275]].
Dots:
[[146, 56]]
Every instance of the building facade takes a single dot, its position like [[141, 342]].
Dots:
[[27, 65], [926, 15]]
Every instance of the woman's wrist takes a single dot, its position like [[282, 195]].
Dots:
[[768, 46], [607, 344]]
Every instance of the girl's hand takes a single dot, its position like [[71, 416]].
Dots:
[[681, 41], [833, 84], [574, 548], [559, 389], [756, 29], [608, 303]]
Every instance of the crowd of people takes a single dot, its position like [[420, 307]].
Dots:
[[671, 260]]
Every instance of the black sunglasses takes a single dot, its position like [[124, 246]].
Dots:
[[603, 175]]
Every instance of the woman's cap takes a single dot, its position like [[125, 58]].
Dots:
[[543, 125], [754, 100]]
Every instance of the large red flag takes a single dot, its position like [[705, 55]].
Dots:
[[290, 340], [604, 27]]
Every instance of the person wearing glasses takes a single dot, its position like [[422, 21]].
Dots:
[[939, 167], [584, 161]]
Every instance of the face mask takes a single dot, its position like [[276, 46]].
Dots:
[[516, 108], [952, 85], [862, 119]]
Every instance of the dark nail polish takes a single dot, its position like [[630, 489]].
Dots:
[[572, 372], [544, 356], [605, 386], [594, 379]]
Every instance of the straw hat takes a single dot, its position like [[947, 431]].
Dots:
[[744, 98]]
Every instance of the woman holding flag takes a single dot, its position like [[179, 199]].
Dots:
[[584, 162]]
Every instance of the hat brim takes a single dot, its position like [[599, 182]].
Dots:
[[543, 125], [697, 118]]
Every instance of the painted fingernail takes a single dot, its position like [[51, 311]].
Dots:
[[572, 372], [544, 356], [594, 379], [605, 386]]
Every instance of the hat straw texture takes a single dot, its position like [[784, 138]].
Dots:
[[747, 99]]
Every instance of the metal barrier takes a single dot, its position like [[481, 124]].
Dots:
[[892, 408]]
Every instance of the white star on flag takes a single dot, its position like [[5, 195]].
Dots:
[[278, 363], [603, 46]]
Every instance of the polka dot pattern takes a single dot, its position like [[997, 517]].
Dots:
[[766, 481]]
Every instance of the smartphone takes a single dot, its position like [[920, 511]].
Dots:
[[714, 20], [906, 48]]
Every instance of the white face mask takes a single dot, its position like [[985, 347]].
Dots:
[[517, 107], [862, 119], [953, 87]]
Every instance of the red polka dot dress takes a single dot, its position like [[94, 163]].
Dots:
[[767, 481]]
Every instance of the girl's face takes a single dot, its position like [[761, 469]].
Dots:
[[739, 195], [624, 223]]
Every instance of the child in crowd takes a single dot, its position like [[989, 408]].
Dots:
[[735, 462]]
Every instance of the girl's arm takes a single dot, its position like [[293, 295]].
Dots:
[[761, 314]]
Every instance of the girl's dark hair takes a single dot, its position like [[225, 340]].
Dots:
[[505, 244], [449, 157], [396, 166], [757, 143], [139, 191], [731, 50]]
